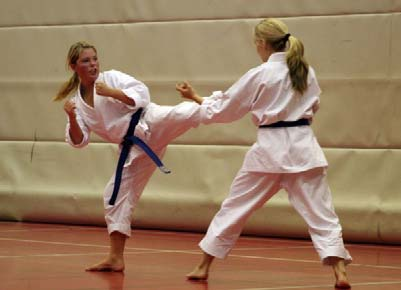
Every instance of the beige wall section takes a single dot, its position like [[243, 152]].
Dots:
[[353, 45], [52, 182], [353, 81], [51, 12]]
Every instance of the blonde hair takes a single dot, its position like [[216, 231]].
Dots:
[[275, 33], [72, 84]]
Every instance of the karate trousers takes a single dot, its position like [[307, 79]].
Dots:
[[165, 123], [309, 194]]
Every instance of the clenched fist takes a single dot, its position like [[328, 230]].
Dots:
[[103, 89], [69, 108]]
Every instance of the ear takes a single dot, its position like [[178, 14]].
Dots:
[[267, 46], [264, 46], [260, 43], [73, 66]]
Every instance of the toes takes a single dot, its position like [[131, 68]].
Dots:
[[100, 268], [342, 285], [197, 278]]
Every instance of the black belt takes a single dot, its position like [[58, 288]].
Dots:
[[281, 124], [129, 140]]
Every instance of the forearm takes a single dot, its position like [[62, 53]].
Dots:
[[119, 95], [75, 131], [198, 99]]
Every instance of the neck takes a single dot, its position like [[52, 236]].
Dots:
[[86, 90], [87, 94], [87, 84]]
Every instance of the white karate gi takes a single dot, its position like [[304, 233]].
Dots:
[[288, 158], [110, 118]]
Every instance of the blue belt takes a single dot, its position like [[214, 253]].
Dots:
[[128, 141]]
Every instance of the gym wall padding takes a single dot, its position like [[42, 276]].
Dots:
[[354, 47]]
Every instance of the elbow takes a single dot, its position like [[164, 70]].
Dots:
[[81, 144], [77, 141]]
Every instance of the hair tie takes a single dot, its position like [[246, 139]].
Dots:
[[285, 38]]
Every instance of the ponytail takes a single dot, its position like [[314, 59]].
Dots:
[[275, 32], [297, 65], [68, 87]]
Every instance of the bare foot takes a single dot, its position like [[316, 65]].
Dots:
[[341, 281], [342, 285], [341, 276], [199, 274], [110, 265]]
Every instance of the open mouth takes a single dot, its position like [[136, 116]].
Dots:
[[93, 72]]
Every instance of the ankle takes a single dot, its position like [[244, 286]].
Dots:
[[207, 260], [115, 257]]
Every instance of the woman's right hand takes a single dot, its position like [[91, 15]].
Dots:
[[69, 108], [186, 90]]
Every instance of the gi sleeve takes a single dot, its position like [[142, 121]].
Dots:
[[233, 104], [131, 87], [312, 82], [314, 89], [85, 131]]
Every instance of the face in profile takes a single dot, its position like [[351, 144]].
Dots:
[[261, 49]]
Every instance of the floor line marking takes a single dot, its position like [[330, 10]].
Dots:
[[103, 246], [327, 285], [313, 261], [32, 230], [52, 243], [75, 254], [273, 248], [197, 252]]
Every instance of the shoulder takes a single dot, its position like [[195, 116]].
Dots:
[[115, 73], [260, 73], [116, 76], [255, 71], [258, 69]]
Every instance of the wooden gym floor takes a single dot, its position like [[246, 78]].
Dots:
[[53, 257]]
